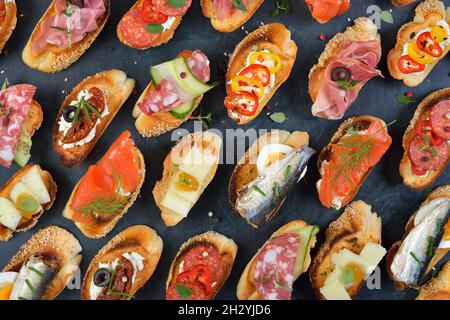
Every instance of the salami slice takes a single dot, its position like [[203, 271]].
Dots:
[[440, 119], [199, 65], [165, 7], [15, 104], [274, 267], [134, 30], [207, 256], [195, 292], [422, 156]]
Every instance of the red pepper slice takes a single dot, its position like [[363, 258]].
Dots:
[[244, 103], [150, 15], [258, 72], [407, 65], [426, 43], [200, 274], [424, 127], [418, 171]]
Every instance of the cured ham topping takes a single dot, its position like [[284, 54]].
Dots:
[[325, 10], [15, 103], [274, 267], [336, 94], [69, 25], [224, 9]]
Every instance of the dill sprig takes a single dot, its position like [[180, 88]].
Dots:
[[101, 204]]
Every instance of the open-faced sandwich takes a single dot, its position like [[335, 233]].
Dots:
[[188, 169], [107, 189], [425, 242], [437, 288], [24, 198], [257, 68], [86, 113], [270, 168], [402, 3], [201, 267], [123, 265], [351, 252], [421, 44], [20, 117], [176, 89], [42, 267], [347, 63], [65, 31], [325, 10], [344, 164], [151, 23], [278, 263], [427, 141], [229, 15], [8, 20]]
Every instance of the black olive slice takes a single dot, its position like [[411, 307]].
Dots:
[[69, 113], [341, 74], [102, 277]]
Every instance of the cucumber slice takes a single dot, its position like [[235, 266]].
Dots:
[[22, 151], [182, 111], [161, 71], [306, 235]]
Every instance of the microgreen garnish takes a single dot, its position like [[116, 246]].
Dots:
[[427, 146], [283, 5], [30, 286], [278, 117], [346, 85], [66, 30], [39, 273], [259, 190], [183, 291], [405, 100], [238, 4], [276, 189], [417, 259], [287, 173], [430, 246], [86, 107]]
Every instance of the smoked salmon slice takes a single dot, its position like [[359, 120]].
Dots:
[[325, 10]]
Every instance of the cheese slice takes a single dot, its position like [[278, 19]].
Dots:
[[373, 253], [345, 257], [334, 290], [33, 180], [178, 205], [9, 216], [191, 197], [197, 164]]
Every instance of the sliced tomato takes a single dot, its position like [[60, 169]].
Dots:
[[150, 14], [258, 72], [426, 43], [198, 274], [407, 65], [244, 103], [424, 127]]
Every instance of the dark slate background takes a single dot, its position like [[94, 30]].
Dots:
[[383, 189]]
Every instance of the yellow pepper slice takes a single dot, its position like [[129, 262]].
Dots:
[[236, 87], [439, 34], [268, 59], [417, 55]]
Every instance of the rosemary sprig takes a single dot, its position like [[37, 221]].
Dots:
[[110, 287], [206, 120], [86, 107]]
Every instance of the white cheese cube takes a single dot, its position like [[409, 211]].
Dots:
[[373, 253], [197, 164], [9, 215], [176, 204], [345, 257], [33, 179], [334, 290]]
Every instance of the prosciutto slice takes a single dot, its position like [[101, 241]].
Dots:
[[168, 95], [15, 103], [224, 8], [55, 30], [361, 58]]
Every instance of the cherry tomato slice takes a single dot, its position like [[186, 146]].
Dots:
[[198, 274], [258, 72], [407, 65], [244, 103], [150, 15], [426, 43], [424, 127]]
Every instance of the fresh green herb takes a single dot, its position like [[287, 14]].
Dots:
[[39, 273], [386, 16], [176, 3], [348, 276], [185, 181], [283, 285], [22, 298], [5, 85], [439, 224], [103, 205], [417, 259], [287, 173], [352, 130], [68, 10], [110, 288], [154, 28], [346, 85], [206, 120], [430, 246], [238, 4], [86, 107], [427, 146], [67, 31], [405, 100], [259, 190], [284, 6], [183, 291], [264, 279], [278, 117], [30, 286], [276, 189]]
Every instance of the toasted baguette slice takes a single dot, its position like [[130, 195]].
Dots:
[[211, 143], [361, 123], [409, 178], [440, 192], [116, 88], [235, 20], [362, 30], [226, 247], [55, 242], [437, 288], [165, 37], [27, 224], [98, 229], [54, 58], [246, 289], [246, 169], [428, 13], [357, 226], [274, 37], [402, 3], [9, 22], [140, 239], [161, 122]]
